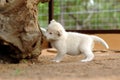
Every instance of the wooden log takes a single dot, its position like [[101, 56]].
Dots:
[[20, 36]]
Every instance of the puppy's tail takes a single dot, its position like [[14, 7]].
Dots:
[[98, 39]]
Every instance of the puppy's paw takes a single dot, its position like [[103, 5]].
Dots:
[[84, 60], [57, 61]]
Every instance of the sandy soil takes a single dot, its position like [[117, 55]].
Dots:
[[105, 66]]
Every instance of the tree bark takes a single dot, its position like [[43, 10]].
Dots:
[[20, 36]]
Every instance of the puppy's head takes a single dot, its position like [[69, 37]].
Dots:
[[55, 31]]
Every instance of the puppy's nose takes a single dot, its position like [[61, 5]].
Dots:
[[44, 36]]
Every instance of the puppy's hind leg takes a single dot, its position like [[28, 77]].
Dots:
[[88, 54]]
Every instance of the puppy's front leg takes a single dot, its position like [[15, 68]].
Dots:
[[59, 56]]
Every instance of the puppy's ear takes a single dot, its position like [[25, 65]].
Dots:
[[59, 33], [52, 21]]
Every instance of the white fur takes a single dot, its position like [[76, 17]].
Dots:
[[43, 30], [70, 42]]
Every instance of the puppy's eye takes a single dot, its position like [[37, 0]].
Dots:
[[50, 33]]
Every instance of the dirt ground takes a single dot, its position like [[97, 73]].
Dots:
[[105, 66]]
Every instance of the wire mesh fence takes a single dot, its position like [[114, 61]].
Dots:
[[43, 14], [84, 14]]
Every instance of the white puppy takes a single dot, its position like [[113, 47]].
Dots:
[[70, 42]]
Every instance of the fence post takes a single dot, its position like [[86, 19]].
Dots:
[[51, 10]]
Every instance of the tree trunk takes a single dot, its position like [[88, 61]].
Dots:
[[20, 36]]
